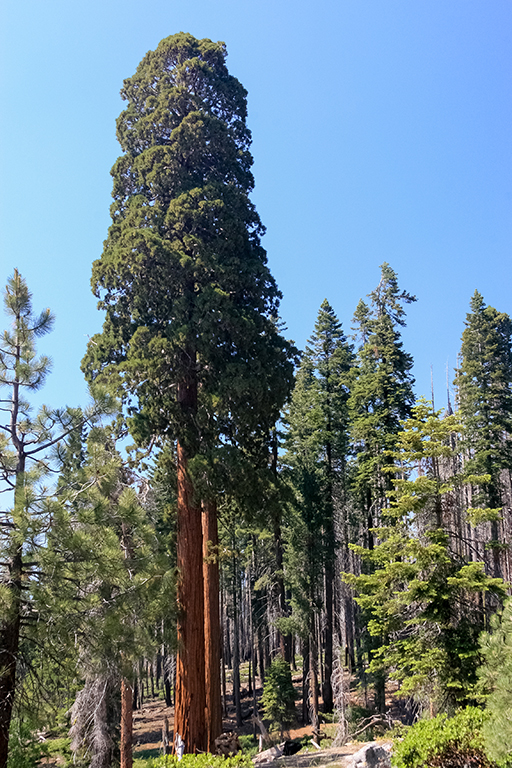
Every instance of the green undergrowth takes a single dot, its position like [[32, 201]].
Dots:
[[444, 741], [25, 751], [195, 761], [249, 744]]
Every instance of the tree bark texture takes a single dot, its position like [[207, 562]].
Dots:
[[313, 675], [236, 649], [189, 719], [11, 624], [313, 682], [284, 641], [329, 599], [9, 645], [126, 724], [211, 623]]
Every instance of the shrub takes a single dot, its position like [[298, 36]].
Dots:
[[496, 676], [443, 742], [196, 761], [279, 694]]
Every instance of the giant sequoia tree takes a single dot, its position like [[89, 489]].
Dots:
[[190, 336]]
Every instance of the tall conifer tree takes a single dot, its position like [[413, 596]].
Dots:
[[318, 447], [424, 600], [381, 397], [189, 330], [28, 444], [484, 383], [382, 392]]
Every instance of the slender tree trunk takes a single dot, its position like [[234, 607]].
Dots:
[[126, 724], [284, 640], [223, 660], [305, 673], [11, 624], [236, 650], [211, 623], [313, 676], [252, 662], [189, 719], [9, 645], [327, 686], [228, 656], [259, 614]]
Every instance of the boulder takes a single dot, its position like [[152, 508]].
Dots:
[[371, 756]]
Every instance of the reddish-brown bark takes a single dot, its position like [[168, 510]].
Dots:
[[211, 623], [189, 720], [126, 724]]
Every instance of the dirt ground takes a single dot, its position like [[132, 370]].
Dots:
[[148, 736], [148, 722]]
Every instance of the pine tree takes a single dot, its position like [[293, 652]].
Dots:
[[484, 383], [112, 572], [28, 446], [189, 334]]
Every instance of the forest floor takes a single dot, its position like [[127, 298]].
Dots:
[[149, 720]]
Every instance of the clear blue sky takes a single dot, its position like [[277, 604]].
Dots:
[[382, 132]]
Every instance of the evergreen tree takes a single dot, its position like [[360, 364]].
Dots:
[[422, 598], [496, 676], [279, 694], [111, 571], [317, 447], [382, 392], [189, 335], [484, 383], [381, 397], [27, 448]]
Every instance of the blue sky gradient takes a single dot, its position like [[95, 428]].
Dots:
[[382, 132]]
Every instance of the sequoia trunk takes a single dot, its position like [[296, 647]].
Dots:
[[211, 623], [189, 719]]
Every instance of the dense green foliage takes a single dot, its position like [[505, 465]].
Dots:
[[496, 676], [485, 394], [279, 694], [420, 593], [183, 277], [381, 395], [444, 742], [196, 761]]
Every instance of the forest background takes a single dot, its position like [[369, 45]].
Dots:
[[381, 133]]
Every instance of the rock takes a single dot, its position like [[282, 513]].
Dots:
[[371, 756]]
